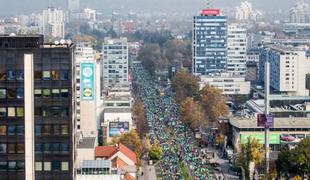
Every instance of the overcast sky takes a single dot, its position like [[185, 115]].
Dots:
[[11, 7]]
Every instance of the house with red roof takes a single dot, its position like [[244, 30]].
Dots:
[[121, 157]]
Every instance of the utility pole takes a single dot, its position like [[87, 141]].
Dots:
[[267, 88]]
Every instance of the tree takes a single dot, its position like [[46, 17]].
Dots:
[[140, 119], [213, 103], [284, 160], [155, 152], [132, 141], [191, 113], [251, 151], [302, 154], [185, 85]]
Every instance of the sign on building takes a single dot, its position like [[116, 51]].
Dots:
[[87, 81], [118, 128]]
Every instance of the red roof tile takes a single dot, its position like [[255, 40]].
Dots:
[[109, 151], [128, 152]]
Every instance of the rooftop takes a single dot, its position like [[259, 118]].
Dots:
[[93, 164], [87, 143], [289, 123], [109, 151], [117, 110]]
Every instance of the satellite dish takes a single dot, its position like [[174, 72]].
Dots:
[[69, 42], [62, 41], [56, 42]]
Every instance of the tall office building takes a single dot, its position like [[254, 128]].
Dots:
[[236, 50], [209, 42], [73, 5], [243, 11], [115, 62], [53, 22], [300, 13], [36, 122]]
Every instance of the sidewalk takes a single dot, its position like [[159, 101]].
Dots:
[[148, 172]]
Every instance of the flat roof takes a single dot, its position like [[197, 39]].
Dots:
[[92, 164], [87, 143], [294, 122], [117, 110]]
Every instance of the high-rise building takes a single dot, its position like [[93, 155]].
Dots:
[[53, 22], [288, 69], [243, 11], [236, 50], [73, 5], [36, 122], [300, 13], [209, 42], [115, 62]]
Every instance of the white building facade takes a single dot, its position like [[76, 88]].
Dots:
[[53, 22], [115, 62], [236, 50]]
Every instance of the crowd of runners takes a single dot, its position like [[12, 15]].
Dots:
[[175, 138]]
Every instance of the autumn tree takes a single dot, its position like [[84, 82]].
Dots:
[[192, 113], [250, 151], [185, 85], [155, 152], [213, 103], [132, 141], [140, 119]]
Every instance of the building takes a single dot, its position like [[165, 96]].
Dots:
[[209, 42], [236, 50], [115, 62], [87, 90], [36, 109], [90, 14], [73, 5], [85, 150], [97, 170], [230, 85], [53, 22], [251, 71], [243, 11], [288, 69], [300, 13]]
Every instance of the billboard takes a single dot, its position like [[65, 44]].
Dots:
[[87, 81], [118, 128], [211, 12], [265, 120], [273, 138]]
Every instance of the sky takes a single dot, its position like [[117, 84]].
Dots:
[[13, 7]]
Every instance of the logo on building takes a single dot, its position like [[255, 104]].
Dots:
[[87, 81]]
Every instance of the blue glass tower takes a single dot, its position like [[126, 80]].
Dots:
[[209, 42]]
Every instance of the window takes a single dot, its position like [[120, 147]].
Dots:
[[20, 130], [47, 148], [55, 75], [64, 92], [38, 166], [2, 93], [55, 93], [11, 148], [56, 148], [64, 166], [38, 93], [2, 74], [56, 165], [20, 93], [11, 93], [20, 165], [46, 93], [3, 165], [38, 111], [20, 111], [47, 166], [2, 148], [11, 75], [64, 75], [37, 75], [46, 75], [2, 130], [3, 112], [64, 129], [56, 129], [64, 148], [19, 75], [11, 112], [38, 148], [38, 130], [47, 130], [12, 166], [11, 130], [20, 148]]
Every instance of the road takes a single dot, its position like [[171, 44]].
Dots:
[[224, 164], [149, 172]]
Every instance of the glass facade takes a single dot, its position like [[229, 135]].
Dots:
[[52, 112], [209, 44]]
